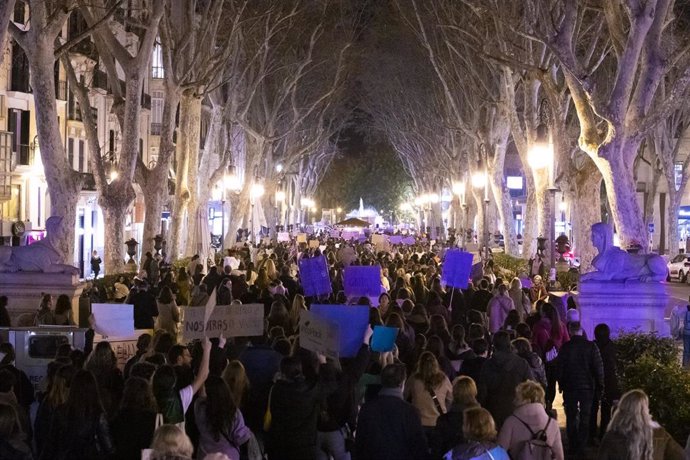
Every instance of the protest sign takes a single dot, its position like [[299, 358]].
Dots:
[[301, 238], [362, 281], [396, 239], [283, 237], [318, 334], [457, 267], [313, 243], [383, 338], [113, 319], [228, 320], [377, 239], [347, 236], [313, 274], [352, 321], [409, 240]]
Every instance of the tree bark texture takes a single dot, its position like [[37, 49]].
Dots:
[[586, 212]]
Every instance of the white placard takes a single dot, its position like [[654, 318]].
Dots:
[[283, 237], [227, 320], [113, 319], [318, 335]]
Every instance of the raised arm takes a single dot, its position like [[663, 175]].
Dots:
[[202, 374]]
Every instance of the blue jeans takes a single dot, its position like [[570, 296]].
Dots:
[[578, 407], [686, 349], [331, 444]]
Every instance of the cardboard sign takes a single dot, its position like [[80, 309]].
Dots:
[[377, 239], [313, 274], [383, 338], [318, 334], [352, 321], [283, 237], [347, 236], [227, 320], [313, 243], [301, 238], [113, 319], [396, 239], [457, 268], [362, 281]]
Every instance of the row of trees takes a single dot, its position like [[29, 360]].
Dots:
[[262, 78], [608, 78]]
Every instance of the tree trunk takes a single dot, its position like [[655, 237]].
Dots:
[[6, 12], [155, 194], [64, 184], [621, 190], [114, 214], [673, 233], [529, 226], [504, 207], [649, 206], [587, 211], [186, 170]]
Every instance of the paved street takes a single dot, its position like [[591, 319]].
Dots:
[[678, 294]]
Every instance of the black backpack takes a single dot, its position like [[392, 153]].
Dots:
[[535, 448]]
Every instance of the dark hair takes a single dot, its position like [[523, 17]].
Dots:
[[102, 359], [550, 312], [480, 346], [522, 346], [7, 380], [220, 406], [138, 395], [175, 352], [143, 342], [156, 359], [8, 350], [9, 422], [164, 343], [62, 305], [77, 357], [602, 332], [143, 370], [291, 367], [393, 375], [165, 295], [523, 330], [83, 404], [501, 341]]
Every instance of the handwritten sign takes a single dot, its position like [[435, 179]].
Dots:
[[113, 319], [283, 237], [123, 347], [313, 274], [318, 334], [352, 321], [301, 238], [457, 268], [383, 338], [347, 236], [362, 281], [227, 320]]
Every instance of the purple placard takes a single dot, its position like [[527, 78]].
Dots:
[[409, 240], [313, 274], [457, 267], [362, 281], [352, 321], [396, 239]]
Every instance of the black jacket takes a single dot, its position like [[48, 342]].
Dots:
[[389, 428], [144, 308], [607, 350], [448, 431], [499, 377], [579, 365], [480, 300], [132, 431], [70, 440]]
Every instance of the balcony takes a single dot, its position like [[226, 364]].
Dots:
[[156, 129], [61, 90], [146, 101]]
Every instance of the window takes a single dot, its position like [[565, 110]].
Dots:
[[70, 152], [157, 102], [19, 13], [19, 77], [111, 144], [157, 70], [18, 124], [82, 155], [678, 174]]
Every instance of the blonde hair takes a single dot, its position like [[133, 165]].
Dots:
[[428, 370], [297, 306], [465, 391], [478, 425], [529, 392], [235, 376], [171, 440], [633, 421]]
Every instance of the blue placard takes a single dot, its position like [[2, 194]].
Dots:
[[313, 275], [352, 320], [383, 338], [362, 281], [457, 267]]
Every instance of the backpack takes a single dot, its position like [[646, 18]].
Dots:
[[535, 448]]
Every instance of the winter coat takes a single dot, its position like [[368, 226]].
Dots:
[[543, 340], [514, 433], [499, 377], [521, 302], [614, 446], [168, 317], [579, 366], [446, 434], [537, 367], [499, 307], [607, 350], [417, 394]]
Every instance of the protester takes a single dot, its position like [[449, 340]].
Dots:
[[429, 390], [604, 401], [45, 314], [171, 442], [479, 431], [133, 426], [4, 314], [499, 307], [521, 300], [548, 336], [95, 264], [102, 363], [530, 421], [13, 445], [633, 434], [56, 397], [446, 434], [168, 312]]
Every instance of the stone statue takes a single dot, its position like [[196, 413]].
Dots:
[[41, 256], [614, 264]]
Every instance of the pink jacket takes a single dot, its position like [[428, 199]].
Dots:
[[498, 309], [514, 433], [541, 334]]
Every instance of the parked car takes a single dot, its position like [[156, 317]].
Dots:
[[679, 267]]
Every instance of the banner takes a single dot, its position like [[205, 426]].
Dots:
[[408, 240], [318, 335], [313, 275], [227, 320], [113, 319], [457, 267], [383, 338], [362, 281], [352, 321]]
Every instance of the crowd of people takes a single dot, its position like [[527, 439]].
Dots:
[[473, 374]]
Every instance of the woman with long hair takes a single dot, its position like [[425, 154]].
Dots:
[[633, 435], [133, 426], [45, 314], [298, 306], [102, 363], [220, 423], [168, 312], [479, 431], [63, 311], [262, 280], [520, 299], [548, 336], [184, 286], [56, 397], [446, 434], [235, 376], [429, 390], [12, 439], [79, 430]]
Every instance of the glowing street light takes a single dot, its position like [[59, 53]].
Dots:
[[279, 168], [479, 179], [257, 190], [231, 181]]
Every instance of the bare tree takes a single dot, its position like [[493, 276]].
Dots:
[[6, 11]]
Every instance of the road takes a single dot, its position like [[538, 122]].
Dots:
[[678, 295]]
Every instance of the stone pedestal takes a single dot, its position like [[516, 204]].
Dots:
[[24, 290], [623, 306]]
